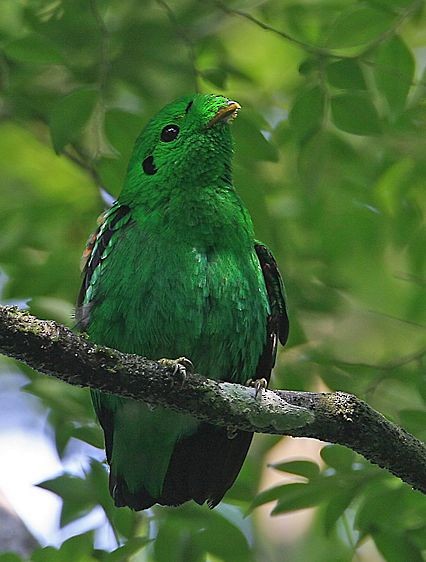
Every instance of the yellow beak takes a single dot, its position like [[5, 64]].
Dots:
[[226, 114]]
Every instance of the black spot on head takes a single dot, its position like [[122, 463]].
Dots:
[[188, 107], [169, 133], [148, 166]]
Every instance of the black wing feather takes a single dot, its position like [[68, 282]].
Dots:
[[97, 244], [276, 293], [277, 326]]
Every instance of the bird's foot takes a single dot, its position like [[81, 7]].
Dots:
[[181, 367], [258, 384]]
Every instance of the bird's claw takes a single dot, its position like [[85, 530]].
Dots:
[[181, 367], [258, 384]]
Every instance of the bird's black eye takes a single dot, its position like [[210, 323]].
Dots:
[[169, 133], [148, 166]]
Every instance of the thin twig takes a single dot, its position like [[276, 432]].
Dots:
[[388, 365], [323, 51]]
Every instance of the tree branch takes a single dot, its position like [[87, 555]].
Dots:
[[334, 417]]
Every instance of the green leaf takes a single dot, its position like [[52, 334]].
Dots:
[[97, 481], [392, 5], [307, 112], [170, 533], [65, 486], [267, 496], [337, 506], [356, 114], [216, 76], [313, 159], [394, 72], [391, 184], [414, 421], [69, 115], [338, 457], [418, 536], [308, 469], [123, 553], [122, 128], [89, 434], [77, 494], [346, 74], [233, 546], [34, 48], [378, 505], [251, 144], [10, 557], [46, 554], [396, 547], [308, 66], [194, 532], [124, 521], [76, 549], [358, 25], [300, 496]]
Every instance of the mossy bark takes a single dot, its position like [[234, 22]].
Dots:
[[335, 417]]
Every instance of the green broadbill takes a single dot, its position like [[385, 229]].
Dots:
[[172, 271]]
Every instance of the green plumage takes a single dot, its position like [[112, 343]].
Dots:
[[172, 271]]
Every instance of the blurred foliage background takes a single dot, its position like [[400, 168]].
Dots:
[[329, 158]]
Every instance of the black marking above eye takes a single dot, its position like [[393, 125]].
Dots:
[[169, 133], [188, 107], [148, 166]]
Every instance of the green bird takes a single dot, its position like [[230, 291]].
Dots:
[[174, 271]]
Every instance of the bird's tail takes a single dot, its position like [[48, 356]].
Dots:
[[202, 468]]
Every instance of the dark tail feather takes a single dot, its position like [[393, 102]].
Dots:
[[123, 497], [202, 468]]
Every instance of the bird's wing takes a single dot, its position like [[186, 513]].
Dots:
[[98, 246], [278, 324], [94, 256]]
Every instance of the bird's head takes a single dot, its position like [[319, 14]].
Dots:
[[188, 143]]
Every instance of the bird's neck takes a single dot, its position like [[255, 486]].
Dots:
[[210, 215]]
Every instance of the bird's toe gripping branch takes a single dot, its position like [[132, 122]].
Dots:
[[181, 367], [258, 384]]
